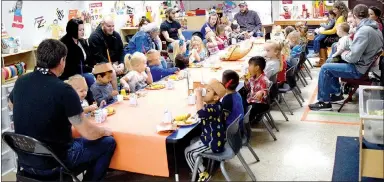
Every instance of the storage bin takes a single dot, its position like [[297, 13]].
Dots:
[[371, 106], [7, 163]]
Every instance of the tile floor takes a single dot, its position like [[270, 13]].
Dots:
[[304, 150]]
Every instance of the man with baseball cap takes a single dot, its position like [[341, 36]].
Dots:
[[170, 28], [248, 20]]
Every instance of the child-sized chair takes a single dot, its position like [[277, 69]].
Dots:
[[232, 149], [247, 133], [290, 86]]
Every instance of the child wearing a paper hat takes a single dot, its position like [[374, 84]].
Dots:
[[102, 90]]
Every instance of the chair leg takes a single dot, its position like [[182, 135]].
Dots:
[[289, 109], [269, 128], [308, 71], [299, 94], [348, 98], [272, 121], [301, 79], [303, 76], [250, 173], [253, 152], [194, 173], [281, 110], [297, 98], [225, 174], [309, 63]]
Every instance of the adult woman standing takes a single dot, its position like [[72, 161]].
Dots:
[[341, 11], [77, 61], [211, 24]]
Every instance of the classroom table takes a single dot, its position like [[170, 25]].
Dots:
[[140, 148]]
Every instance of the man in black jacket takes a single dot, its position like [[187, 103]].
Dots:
[[106, 46]]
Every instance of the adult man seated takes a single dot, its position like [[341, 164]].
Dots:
[[171, 29], [46, 108], [248, 20], [106, 46], [367, 43]]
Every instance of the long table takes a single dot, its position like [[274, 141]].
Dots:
[[140, 148]]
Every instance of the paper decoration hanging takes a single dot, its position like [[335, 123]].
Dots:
[[17, 16], [96, 14], [72, 14], [55, 29], [148, 13], [39, 22], [60, 14], [119, 7]]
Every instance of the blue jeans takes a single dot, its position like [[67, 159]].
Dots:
[[329, 79], [334, 47], [93, 156], [90, 79], [163, 62], [316, 42]]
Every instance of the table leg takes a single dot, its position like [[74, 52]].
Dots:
[[176, 167]]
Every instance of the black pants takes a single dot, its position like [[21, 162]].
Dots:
[[257, 110]]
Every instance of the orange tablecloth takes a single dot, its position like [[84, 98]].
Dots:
[[140, 148]]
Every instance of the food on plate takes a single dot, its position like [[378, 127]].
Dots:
[[155, 86], [216, 68], [125, 97], [175, 77], [195, 65], [182, 117], [377, 112], [110, 110]]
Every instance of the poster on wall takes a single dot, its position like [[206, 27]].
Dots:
[[96, 10], [72, 14], [17, 16], [287, 1]]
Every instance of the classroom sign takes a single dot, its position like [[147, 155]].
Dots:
[[96, 14]]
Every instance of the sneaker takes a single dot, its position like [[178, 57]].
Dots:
[[337, 98], [320, 106], [204, 176], [313, 55]]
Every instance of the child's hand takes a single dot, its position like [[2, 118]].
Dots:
[[199, 92], [114, 93], [207, 29], [102, 104], [147, 70], [259, 95]]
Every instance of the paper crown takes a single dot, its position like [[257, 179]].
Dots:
[[217, 87], [102, 68]]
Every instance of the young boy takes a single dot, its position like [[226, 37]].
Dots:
[[257, 86], [232, 101], [344, 42], [102, 90], [319, 37], [157, 70], [212, 124], [80, 86], [294, 43]]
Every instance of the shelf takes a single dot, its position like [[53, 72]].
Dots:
[[130, 28], [13, 54]]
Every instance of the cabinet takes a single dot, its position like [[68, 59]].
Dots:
[[8, 157], [26, 56], [127, 31]]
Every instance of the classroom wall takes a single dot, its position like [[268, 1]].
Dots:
[[30, 35]]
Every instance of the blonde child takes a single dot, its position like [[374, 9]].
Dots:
[[222, 35], [288, 30], [80, 86], [179, 56], [213, 43], [158, 72], [273, 57], [344, 42], [198, 51], [102, 90], [294, 43], [139, 75]]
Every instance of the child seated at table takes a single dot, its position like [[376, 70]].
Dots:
[[179, 55], [212, 137], [288, 30], [232, 101], [79, 84], [102, 90], [235, 36], [257, 87], [221, 35], [294, 43], [139, 76], [344, 42], [157, 70], [198, 52], [274, 64], [213, 43]]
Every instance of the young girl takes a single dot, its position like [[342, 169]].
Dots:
[[213, 43], [80, 86], [294, 43], [198, 51], [222, 35], [139, 75], [179, 56], [285, 51], [272, 54]]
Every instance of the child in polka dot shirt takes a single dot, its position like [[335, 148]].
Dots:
[[212, 123]]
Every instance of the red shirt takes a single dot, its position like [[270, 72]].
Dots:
[[256, 84], [281, 76], [225, 40]]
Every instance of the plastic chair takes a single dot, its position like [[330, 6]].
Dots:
[[290, 87], [232, 149], [247, 133], [22, 144], [273, 94]]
